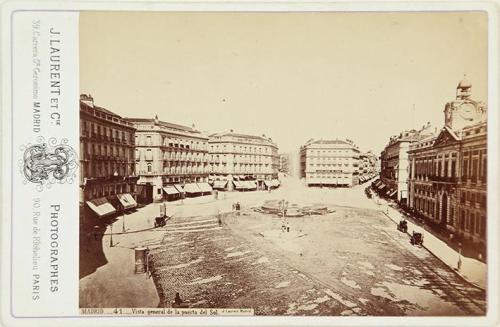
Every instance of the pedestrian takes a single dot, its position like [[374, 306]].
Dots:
[[287, 227], [177, 300], [237, 208]]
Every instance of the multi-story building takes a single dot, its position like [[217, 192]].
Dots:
[[367, 166], [171, 157], [449, 170], [243, 162], [395, 164], [329, 163], [285, 163], [107, 165]]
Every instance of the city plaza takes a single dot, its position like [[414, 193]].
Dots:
[[185, 219], [350, 261]]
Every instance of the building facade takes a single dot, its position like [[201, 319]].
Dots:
[[394, 163], [367, 166], [171, 158], [449, 171], [329, 163], [107, 165], [285, 163], [242, 162]]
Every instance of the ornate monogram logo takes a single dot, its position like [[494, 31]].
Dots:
[[47, 163]]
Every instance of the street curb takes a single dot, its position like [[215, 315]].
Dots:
[[434, 255]]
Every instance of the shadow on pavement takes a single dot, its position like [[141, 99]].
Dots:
[[91, 251]]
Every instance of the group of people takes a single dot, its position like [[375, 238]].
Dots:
[[237, 207], [285, 226]]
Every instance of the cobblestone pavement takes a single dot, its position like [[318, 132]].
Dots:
[[350, 262]]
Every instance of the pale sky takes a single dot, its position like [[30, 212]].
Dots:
[[291, 76]]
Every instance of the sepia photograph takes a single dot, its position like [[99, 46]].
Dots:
[[284, 163]]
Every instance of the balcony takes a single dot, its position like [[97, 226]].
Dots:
[[442, 179]]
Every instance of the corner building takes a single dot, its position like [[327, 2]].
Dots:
[[448, 175], [172, 159], [243, 162], [107, 165], [329, 163], [395, 164]]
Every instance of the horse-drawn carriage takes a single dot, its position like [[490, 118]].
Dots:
[[403, 226], [417, 238], [160, 222]]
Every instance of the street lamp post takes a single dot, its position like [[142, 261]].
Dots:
[[123, 221], [459, 263], [111, 237]]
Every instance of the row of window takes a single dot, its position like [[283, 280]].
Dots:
[[330, 159], [100, 149], [181, 144], [89, 128], [472, 222], [180, 169], [473, 198], [97, 191], [322, 152], [105, 169], [330, 165], [468, 220], [238, 148], [426, 206], [474, 167], [426, 190], [334, 176]]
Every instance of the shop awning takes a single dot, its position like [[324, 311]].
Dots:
[[239, 185], [381, 186], [268, 183], [127, 201], [191, 188], [393, 193], [220, 184], [179, 188], [245, 185], [170, 190], [275, 182], [101, 207], [204, 187], [252, 185], [388, 191]]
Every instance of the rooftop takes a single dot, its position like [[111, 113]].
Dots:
[[241, 135], [155, 121], [87, 104]]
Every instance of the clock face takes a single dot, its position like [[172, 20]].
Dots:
[[467, 111]]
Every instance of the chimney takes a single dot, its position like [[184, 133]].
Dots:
[[87, 99], [231, 130], [156, 119], [192, 126]]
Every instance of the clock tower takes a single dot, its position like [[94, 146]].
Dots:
[[463, 111]]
